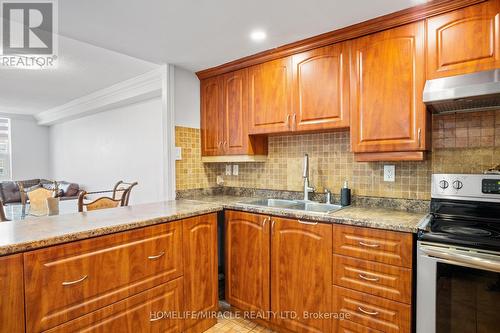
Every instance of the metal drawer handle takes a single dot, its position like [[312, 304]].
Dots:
[[364, 277], [69, 283], [157, 256], [369, 245], [308, 223], [375, 313]]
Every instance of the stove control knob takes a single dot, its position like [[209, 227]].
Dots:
[[457, 185], [444, 184]]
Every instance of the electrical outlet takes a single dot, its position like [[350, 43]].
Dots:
[[228, 169], [178, 153], [389, 173], [220, 180], [235, 169]]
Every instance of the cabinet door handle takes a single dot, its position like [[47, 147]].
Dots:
[[308, 223], [69, 283], [364, 277], [374, 313], [161, 254], [288, 121], [294, 121], [272, 226], [369, 245], [264, 222], [225, 143], [419, 137]]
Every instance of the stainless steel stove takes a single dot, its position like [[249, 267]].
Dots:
[[458, 256]]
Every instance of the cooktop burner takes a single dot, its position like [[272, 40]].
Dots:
[[466, 231]]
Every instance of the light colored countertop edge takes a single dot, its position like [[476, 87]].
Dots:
[[35, 233], [84, 230]]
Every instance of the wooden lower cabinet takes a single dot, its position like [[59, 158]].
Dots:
[[112, 283], [280, 265], [200, 270], [154, 310], [301, 266], [67, 281], [370, 311], [247, 261], [11, 294]]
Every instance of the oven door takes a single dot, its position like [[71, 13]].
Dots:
[[458, 289]]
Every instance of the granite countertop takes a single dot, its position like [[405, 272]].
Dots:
[[33, 233], [380, 218]]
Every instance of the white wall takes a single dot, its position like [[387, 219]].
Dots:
[[30, 148], [119, 144], [186, 98]]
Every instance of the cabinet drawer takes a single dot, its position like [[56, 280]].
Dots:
[[388, 247], [67, 281], [144, 312], [370, 311], [382, 280]]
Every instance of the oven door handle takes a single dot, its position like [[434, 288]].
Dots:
[[462, 258]]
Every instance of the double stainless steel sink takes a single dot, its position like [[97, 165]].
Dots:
[[307, 206]]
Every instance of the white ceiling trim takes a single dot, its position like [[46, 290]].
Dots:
[[139, 88]]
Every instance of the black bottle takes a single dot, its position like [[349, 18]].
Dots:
[[345, 195]]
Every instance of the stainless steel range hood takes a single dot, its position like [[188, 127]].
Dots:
[[462, 93]]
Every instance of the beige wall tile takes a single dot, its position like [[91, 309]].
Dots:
[[462, 143]]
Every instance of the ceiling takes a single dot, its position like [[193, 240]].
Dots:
[[105, 42]]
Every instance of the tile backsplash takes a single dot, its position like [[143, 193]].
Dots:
[[468, 142]]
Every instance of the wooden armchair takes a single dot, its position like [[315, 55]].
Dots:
[[122, 190], [101, 202]]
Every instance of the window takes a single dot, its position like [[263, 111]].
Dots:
[[5, 149]]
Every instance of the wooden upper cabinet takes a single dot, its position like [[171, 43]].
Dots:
[[224, 117], [247, 261], [464, 41], [211, 117], [301, 274], [235, 112], [387, 81], [321, 88], [270, 96]]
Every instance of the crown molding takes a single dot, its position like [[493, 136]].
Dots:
[[139, 88], [378, 24]]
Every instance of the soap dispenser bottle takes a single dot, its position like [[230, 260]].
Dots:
[[345, 195]]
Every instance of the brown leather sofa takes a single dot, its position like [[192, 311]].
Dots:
[[10, 194]]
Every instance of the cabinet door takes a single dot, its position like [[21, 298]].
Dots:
[[211, 117], [11, 294], [199, 236], [270, 97], [235, 107], [247, 261], [464, 41], [387, 82], [321, 88], [301, 274]]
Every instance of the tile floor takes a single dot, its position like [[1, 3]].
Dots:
[[237, 325], [228, 322]]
